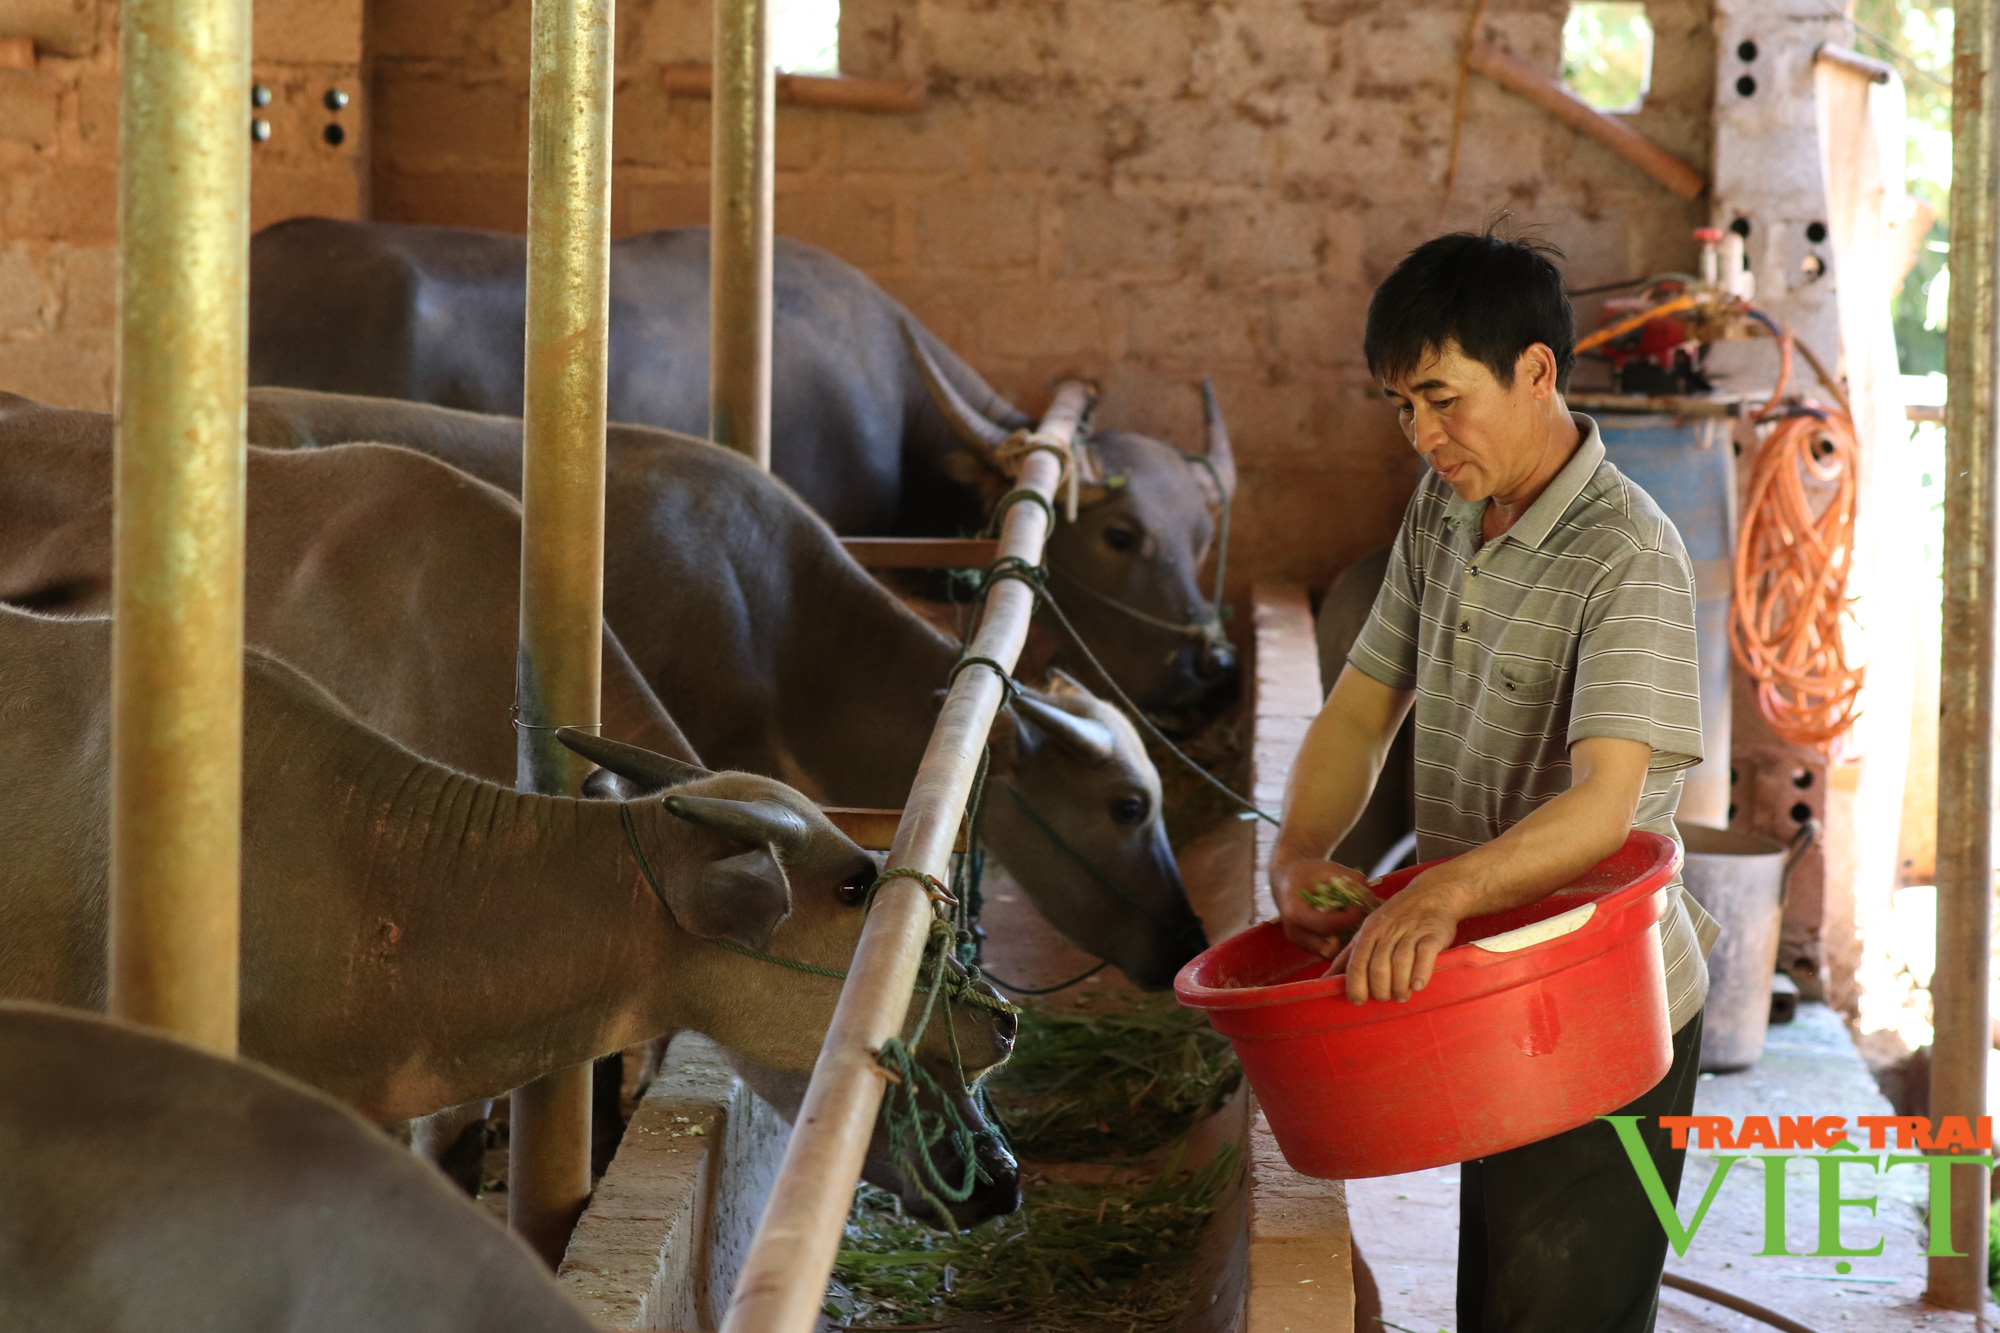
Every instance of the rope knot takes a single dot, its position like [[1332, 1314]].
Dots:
[[1015, 451], [933, 888]]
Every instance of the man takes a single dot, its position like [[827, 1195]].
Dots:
[[1538, 610]]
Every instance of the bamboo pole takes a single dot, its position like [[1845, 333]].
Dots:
[[739, 303], [1517, 76], [1965, 736], [562, 520], [177, 546], [784, 1276]]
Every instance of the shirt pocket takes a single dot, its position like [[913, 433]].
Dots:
[[1525, 682]]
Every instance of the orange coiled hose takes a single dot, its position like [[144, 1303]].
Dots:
[[1792, 566]]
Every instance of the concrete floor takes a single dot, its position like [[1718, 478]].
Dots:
[[1406, 1227]]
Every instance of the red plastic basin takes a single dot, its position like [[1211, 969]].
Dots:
[[1525, 1029]]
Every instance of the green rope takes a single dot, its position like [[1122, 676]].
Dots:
[[914, 1132], [1014, 497], [795, 964], [958, 990], [936, 892], [1008, 685], [638, 854]]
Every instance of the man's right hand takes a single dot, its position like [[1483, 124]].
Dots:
[[1323, 933]]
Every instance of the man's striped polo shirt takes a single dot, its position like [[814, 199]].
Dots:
[[1578, 621]]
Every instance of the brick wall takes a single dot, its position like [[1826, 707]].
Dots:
[[1141, 190], [59, 172], [59, 202]]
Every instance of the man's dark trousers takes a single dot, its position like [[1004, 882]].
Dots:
[[1558, 1237]]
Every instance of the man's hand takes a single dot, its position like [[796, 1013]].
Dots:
[[1393, 952], [1305, 925], [1391, 956]]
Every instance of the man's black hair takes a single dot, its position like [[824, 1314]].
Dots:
[[1492, 296]]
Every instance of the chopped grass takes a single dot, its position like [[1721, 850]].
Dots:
[[1077, 1256], [1106, 1086]]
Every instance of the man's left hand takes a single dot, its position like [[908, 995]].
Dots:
[[1391, 956]]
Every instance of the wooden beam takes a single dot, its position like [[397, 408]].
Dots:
[[17, 53], [830, 90], [873, 830], [1873, 70], [1523, 79], [922, 552]]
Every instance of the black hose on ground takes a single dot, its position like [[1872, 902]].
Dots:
[[1734, 1302]]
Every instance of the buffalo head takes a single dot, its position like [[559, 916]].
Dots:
[[773, 1019], [1072, 809], [1127, 571]]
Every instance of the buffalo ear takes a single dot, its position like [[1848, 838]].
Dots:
[[1060, 682], [1007, 743], [1083, 739], [744, 898]]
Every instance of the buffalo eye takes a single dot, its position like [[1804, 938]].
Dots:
[[1129, 809], [853, 890], [1120, 538]]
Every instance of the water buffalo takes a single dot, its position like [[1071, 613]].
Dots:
[[415, 938], [778, 654], [151, 1187], [389, 578], [880, 435]]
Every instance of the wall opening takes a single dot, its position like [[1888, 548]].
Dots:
[[1607, 55], [805, 36]]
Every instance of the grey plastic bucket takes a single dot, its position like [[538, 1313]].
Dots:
[[1739, 879]]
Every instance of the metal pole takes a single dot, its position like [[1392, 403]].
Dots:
[[784, 1276], [562, 521], [177, 562], [739, 259], [1965, 738]]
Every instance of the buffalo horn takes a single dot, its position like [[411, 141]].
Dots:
[[1220, 456], [1084, 738], [752, 823], [652, 772], [980, 435]]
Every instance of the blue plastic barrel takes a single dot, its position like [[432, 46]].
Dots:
[[1686, 465]]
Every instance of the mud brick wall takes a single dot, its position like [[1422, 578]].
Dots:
[[59, 202], [59, 172]]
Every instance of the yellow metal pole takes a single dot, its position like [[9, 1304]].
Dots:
[[739, 302], [1965, 853], [562, 527], [177, 564]]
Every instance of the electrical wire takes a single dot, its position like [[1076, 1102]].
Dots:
[[1787, 617]]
